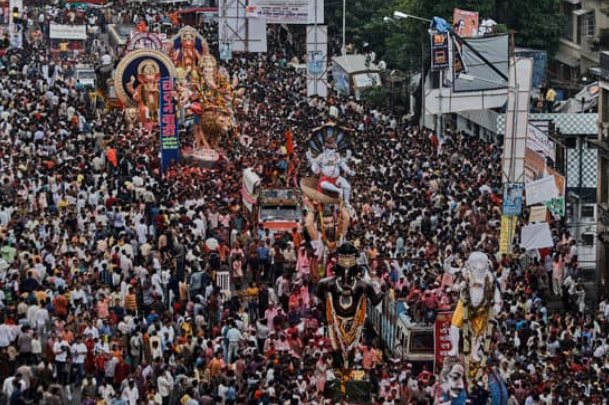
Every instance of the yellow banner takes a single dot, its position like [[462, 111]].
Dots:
[[506, 235]]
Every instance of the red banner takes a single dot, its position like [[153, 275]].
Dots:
[[442, 338]]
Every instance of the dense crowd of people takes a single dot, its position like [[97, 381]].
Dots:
[[108, 267]]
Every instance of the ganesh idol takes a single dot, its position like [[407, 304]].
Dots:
[[146, 94], [187, 49], [331, 146], [344, 297], [216, 99], [479, 301]]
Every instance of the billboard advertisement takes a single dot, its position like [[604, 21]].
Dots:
[[512, 199], [465, 23], [439, 52]]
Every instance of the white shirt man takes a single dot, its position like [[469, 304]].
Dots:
[[142, 232], [8, 387], [165, 384], [79, 351], [130, 393], [78, 294], [91, 330], [60, 350], [42, 317]]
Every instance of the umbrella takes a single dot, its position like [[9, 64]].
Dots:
[[212, 243], [486, 189]]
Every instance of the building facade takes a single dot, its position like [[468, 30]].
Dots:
[[602, 210], [586, 35], [576, 159]]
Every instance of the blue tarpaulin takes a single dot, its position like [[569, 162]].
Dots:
[[440, 25]]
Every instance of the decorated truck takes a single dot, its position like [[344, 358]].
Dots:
[[275, 209], [416, 343]]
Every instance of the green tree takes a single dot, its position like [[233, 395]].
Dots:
[[362, 22], [377, 97], [537, 24]]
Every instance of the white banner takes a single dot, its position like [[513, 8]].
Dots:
[[542, 190], [536, 236], [538, 141], [291, 11], [61, 31]]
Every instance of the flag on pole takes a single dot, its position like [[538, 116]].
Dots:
[[289, 142]]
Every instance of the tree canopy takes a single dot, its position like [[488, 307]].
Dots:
[[536, 24]]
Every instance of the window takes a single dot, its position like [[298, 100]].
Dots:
[[588, 211], [421, 342], [570, 142], [586, 24], [589, 24], [568, 12], [568, 9]]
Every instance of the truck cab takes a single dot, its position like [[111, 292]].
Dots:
[[279, 211], [86, 78], [402, 339], [275, 209]]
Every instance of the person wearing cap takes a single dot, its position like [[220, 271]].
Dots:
[[130, 393]]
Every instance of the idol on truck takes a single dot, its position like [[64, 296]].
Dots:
[[186, 48], [344, 297], [343, 291], [327, 196], [216, 99], [205, 94], [137, 80], [469, 363]]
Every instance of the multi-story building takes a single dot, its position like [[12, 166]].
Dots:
[[602, 198], [587, 35]]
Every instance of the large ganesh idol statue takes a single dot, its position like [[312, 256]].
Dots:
[[344, 297], [328, 155], [326, 196], [186, 49], [479, 301], [146, 94], [137, 80], [216, 99]]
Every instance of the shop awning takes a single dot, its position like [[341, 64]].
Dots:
[[582, 11], [564, 58]]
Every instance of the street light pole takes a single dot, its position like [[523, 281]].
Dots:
[[344, 24]]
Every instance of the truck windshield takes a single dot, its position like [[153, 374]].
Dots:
[[421, 342], [277, 213], [86, 75]]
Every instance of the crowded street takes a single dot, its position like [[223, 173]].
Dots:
[[130, 276]]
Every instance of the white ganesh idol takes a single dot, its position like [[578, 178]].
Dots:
[[479, 300], [328, 155]]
